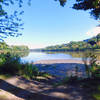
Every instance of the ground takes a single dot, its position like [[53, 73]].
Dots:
[[19, 88]]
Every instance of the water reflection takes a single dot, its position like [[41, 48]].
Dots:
[[77, 54], [36, 56], [21, 54], [59, 69]]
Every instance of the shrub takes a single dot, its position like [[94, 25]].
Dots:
[[29, 70], [10, 64]]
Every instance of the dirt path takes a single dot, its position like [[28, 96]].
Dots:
[[18, 88]]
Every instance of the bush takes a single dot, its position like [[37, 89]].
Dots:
[[29, 70], [10, 64]]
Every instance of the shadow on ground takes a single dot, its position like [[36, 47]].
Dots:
[[43, 90], [22, 93]]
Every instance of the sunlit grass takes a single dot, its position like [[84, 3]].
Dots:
[[47, 75], [97, 95], [3, 97], [6, 76]]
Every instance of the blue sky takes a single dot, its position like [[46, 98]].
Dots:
[[47, 23]]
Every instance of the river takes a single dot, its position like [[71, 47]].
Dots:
[[58, 69], [36, 56]]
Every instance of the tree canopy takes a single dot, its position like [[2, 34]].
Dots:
[[92, 5], [10, 24], [88, 44]]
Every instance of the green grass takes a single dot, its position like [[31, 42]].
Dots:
[[96, 96], [4, 77], [47, 75], [10, 65]]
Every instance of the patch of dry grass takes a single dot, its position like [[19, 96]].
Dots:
[[4, 77], [3, 97]]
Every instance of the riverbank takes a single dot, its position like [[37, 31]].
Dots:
[[62, 67], [59, 61], [47, 88]]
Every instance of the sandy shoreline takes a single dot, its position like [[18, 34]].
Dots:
[[59, 61], [62, 67]]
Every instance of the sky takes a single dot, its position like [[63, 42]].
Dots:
[[47, 23]]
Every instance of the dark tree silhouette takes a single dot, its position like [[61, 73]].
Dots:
[[93, 5], [10, 24], [92, 42], [98, 37]]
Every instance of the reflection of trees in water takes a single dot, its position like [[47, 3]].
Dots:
[[73, 54], [77, 54], [21, 54]]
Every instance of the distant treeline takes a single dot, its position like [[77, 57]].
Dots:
[[88, 44], [5, 47]]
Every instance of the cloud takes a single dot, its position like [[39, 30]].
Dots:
[[93, 31]]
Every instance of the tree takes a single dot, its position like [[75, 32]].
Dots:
[[98, 37], [92, 5], [10, 24], [92, 42]]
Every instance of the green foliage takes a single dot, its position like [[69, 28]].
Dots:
[[6, 48], [10, 24], [11, 65], [89, 44], [91, 66], [92, 5], [29, 71], [20, 48], [5, 76], [97, 94]]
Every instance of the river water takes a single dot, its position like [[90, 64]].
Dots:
[[57, 69], [36, 56]]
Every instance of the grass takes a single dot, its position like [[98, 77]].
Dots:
[[46, 75], [3, 97], [5, 76], [96, 95], [11, 65]]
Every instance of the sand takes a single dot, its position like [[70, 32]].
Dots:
[[59, 61]]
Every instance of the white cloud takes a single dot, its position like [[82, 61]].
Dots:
[[93, 31]]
